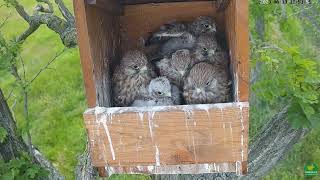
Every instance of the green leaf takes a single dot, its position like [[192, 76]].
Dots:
[[315, 120], [307, 109], [3, 134], [32, 172], [297, 117]]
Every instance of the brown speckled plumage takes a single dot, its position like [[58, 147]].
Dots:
[[176, 67], [208, 50], [206, 84], [130, 78]]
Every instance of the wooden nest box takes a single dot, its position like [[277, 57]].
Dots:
[[186, 139]]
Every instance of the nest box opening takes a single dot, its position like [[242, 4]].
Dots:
[[177, 139]]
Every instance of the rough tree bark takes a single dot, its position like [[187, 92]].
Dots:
[[64, 27], [271, 144], [13, 145]]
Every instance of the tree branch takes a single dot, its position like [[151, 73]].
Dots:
[[65, 11], [65, 28], [20, 9], [13, 145], [31, 29], [42, 9], [46, 66]]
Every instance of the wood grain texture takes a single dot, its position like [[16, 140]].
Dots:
[[110, 6], [236, 19], [99, 45], [178, 169], [140, 20], [133, 2], [171, 136], [85, 51], [185, 142]]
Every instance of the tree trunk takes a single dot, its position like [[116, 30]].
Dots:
[[84, 169], [13, 145], [272, 143]]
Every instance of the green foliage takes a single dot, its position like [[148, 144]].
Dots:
[[21, 168], [290, 65], [8, 53], [3, 134], [291, 79], [57, 97], [292, 166], [288, 58]]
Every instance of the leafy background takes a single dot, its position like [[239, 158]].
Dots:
[[288, 66]]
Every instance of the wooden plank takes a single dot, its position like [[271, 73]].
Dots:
[[133, 2], [242, 24], [85, 51], [178, 169], [189, 134], [140, 20], [110, 6], [99, 42], [236, 18]]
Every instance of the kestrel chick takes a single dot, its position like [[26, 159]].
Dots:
[[207, 49], [131, 78], [201, 25], [206, 84], [185, 41], [159, 94], [176, 67]]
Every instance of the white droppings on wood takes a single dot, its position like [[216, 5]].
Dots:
[[110, 141], [150, 168], [186, 108], [150, 121], [157, 156], [140, 168], [242, 131], [175, 169], [141, 117], [236, 87], [105, 115], [238, 168]]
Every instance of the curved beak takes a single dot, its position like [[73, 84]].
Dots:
[[199, 90], [168, 94], [144, 69], [182, 72], [211, 52]]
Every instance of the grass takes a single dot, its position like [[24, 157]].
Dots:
[[57, 98], [57, 101]]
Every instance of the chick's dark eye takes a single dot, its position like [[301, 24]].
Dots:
[[208, 83], [204, 49], [159, 93], [207, 25], [136, 67]]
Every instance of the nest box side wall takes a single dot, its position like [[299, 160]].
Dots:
[[237, 31], [139, 20], [99, 42]]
